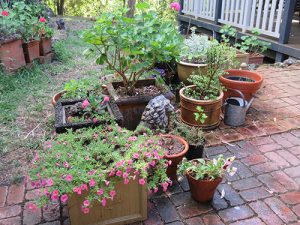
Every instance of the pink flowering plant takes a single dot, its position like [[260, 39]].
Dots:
[[89, 162]]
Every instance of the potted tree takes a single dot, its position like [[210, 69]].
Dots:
[[11, 51], [205, 175], [193, 56], [101, 173], [201, 102], [131, 47]]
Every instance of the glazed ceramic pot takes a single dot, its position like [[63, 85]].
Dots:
[[185, 70]]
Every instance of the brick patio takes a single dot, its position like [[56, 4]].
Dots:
[[265, 189]]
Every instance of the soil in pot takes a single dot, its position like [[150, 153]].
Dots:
[[240, 78], [195, 152]]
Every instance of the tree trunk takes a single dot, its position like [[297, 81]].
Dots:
[[131, 6], [60, 7]]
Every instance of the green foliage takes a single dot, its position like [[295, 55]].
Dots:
[[219, 58], [200, 115], [96, 159], [202, 169], [80, 88], [132, 46], [252, 44], [228, 32]]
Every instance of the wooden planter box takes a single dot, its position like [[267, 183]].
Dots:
[[31, 51], [132, 108], [129, 206], [12, 55], [61, 123]]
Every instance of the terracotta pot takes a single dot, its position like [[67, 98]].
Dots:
[[177, 158], [45, 46], [186, 69], [12, 55], [212, 109], [202, 190], [247, 88], [129, 206], [56, 97], [256, 59], [31, 51]]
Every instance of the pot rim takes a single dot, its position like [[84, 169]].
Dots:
[[183, 141], [191, 64], [224, 77], [54, 97], [200, 101]]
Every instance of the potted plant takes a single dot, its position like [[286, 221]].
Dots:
[[101, 173], [11, 51], [201, 102], [45, 33], [193, 56], [205, 175], [131, 47]]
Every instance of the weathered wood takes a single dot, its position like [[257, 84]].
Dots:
[[285, 27]]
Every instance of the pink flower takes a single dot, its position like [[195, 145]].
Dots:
[[103, 202], [69, 178], [85, 103], [85, 210], [152, 163], [84, 187], [155, 189], [4, 13], [100, 192], [54, 197], [55, 192], [142, 181], [175, 6], [105, 99], [92, 183], [107, 182], [64, 198], [66, 165], [129, 162], [43, 20], [95, 120], [125, 175], [112, 193], [126, 181], [135, 155], [111, 173], [119, 173], [132, 138], [136, 172], [32, 206], [86, 203], [165, 186], [46, 192]]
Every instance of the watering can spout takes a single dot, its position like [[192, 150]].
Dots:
[[249, 103]]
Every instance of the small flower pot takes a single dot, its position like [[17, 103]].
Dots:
[[185, 70], [31, 51], [256, 59], [195, 152], [212, 109], [56, 97], [177, 158], [129, 206], [12, 55], [45, 46], [202, 190]]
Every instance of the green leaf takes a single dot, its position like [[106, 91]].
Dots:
[[101, 59]]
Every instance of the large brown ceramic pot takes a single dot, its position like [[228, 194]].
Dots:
[[212, 109], [45, 46], [31, 50], [247, 82], [202, 190], [185, 70], [177, 158]]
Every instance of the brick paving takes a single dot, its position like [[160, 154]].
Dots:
[[265, 189]]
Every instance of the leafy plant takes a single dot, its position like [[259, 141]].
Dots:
[[228, 32], [91, 161], [195, 48], [202, 169], [252, 44], [9, 27], [200, 115], [132, 46], [207, 86]]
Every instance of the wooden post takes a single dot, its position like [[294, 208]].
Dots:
[[218, 13]]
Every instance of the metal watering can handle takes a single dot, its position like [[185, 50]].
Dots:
[[240, 93]]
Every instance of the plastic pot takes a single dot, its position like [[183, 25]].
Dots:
[[186, 69]]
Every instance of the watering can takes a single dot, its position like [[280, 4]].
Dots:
[[235, 109]]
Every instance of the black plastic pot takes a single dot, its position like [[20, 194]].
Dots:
[[195, 152]]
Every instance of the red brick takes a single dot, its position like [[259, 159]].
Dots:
[[291, 198], [10, 211], [212, 219], [166, 209], [193, 209], [245, 184], [296, 133], [181, 198], [31, 217], [277, 159], [153, 216], [254, 159], [272, 183], [282, 141], [33, 194], [231, 195], [3, 193], [216, 150], [264, 168], [51, 212], [269, 147], [291, 138], [252, 221], [285, 180], [289, 157], [257, 130], [296, 210], [262, 141], [293, 172], [236, 213], [254, 194], [295, 150], [281, 210], [265, 213], [218, 202], [11, 221], [194, 221], [230, 135], [15, 194]]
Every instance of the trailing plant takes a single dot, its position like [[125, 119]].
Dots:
[[202, 169], [90, 162], [219, 57], [195, 48], [132, 46]]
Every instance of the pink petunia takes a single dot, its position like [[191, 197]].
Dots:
[[125, 175], [66, 164], [32, 206], [64, 198], [85, 103], [111, 173], [55, 192], [54, 197], [119, 173], [175, 6], [100, 191], [84, 187], [107, 182], [126, 181], [132, 138], [155, 189], [106, 99], [43, 20], [142, 181], [4, 13], [135, 155], [85, 210], [69, 178], [112, 193], [92, 183], [95, 120], [86, 203], [103, 202]]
